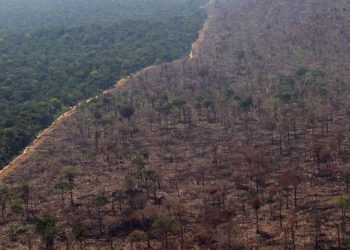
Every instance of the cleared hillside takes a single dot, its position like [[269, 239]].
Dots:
[[243, 145]]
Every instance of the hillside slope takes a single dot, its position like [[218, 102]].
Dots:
[[243, 145], [58, 54]]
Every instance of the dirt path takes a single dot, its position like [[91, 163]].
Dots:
[[28, 151], [37, 142]]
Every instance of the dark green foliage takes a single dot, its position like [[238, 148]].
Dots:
[[166, 109], [342, 201], [23, 193], [318, 73], [100, 201], [208, 103], [16, 206], [246, 102], [163, 222], [42, 13], [179, 102], [63, 186], [79, 231], [302, 71], [137, 236], [70, 174], [285, 97], [46, 227], [127, 111], [229, 93], [51, 60]]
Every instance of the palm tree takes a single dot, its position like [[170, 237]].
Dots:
[[63, 186], [70, 174]]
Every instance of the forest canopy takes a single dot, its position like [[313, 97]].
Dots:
[[55, 53]]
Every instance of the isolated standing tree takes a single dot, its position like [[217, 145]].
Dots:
[[99, 203], [255, 202], [246, 104], [164, 224], [179, 103], [343, 203], [16, 206], [150, 182], [70, 175], [164, 110], [292, 224], [46, 227], [208, 104], [79, 232], [63, 187], [127, 111]]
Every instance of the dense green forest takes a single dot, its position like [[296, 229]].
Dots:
[[26, 15], [51, 58]]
